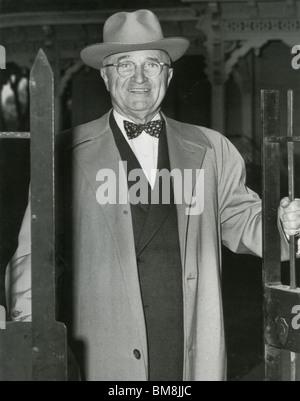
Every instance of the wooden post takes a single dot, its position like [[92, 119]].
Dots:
[[37, 351], [271, 238], [49, 344]]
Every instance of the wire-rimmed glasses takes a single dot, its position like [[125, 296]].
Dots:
[[151, 69]]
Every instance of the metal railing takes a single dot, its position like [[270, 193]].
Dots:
[[282, 337]]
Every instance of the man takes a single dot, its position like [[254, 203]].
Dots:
[[146, 277]]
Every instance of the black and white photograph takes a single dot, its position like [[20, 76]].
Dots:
[[149, 193]]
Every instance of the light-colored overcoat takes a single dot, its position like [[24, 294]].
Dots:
[[108, 310]]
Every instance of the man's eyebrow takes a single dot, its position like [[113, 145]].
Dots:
[[153, 59], [119, 59], [122, 58]]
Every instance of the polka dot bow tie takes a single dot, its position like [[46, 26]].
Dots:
[[153, 128]]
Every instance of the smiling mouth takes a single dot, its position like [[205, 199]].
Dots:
[[139, 91]]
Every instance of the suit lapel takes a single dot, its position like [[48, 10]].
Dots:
[[187, 150], [128, 155], [157, 213]]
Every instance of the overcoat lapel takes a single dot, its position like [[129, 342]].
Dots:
[[94, 149]]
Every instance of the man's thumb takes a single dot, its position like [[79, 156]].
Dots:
[[285, 203]]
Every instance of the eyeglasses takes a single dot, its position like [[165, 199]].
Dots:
[[151, 69]]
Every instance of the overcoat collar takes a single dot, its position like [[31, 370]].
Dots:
[[90, 131]]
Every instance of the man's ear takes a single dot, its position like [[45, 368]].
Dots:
[[170, 75], [104, 77]]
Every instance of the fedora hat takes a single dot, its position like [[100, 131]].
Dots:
[[130, 31]]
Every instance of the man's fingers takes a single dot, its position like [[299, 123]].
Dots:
[[291, 216], [292, 225], [290, 206]]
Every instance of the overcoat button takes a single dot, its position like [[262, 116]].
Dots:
[[137, 354]]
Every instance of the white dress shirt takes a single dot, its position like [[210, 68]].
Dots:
[[145, 148]]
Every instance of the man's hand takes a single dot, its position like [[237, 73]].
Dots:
[[290, 216]]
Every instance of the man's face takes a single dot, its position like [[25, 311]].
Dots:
[[138, 97]]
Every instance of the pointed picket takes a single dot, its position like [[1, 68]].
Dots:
[[48, 337]]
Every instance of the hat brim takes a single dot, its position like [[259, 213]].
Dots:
[[94, 55]]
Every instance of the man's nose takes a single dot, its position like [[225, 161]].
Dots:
[[139, 75]]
